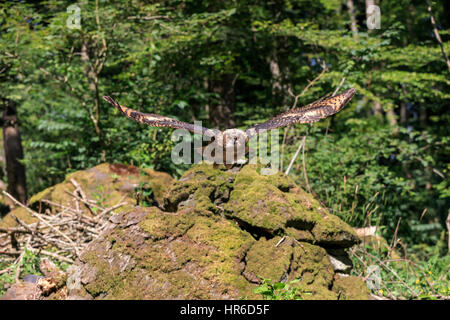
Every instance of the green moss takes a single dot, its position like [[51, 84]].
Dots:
[[257, 202], [227, 245], [9, 222], [126, 291], [159, 182], [281, 181], [304, 217], [106, 277], [334, 232], [300, 235], [267, 202], [312, 265], [203, 181], [209, 251], [44, 194], [160, 225], [257, 258], [217, 240], [293, 260], [351, 288], [203, 203]]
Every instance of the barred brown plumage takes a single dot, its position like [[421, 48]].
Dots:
[[313, 112], [235, 138], [156, 120]]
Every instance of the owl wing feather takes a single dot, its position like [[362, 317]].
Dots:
[[156, 120], [320, 109]]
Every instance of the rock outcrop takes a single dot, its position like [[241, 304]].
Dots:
[[108, 183], [218, 234]]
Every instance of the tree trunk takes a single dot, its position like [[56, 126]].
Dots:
[[377, 108], [353, 22], [390, 114], [92, 80], [447, 223], [13, 153], [437, 35], [403, 112], [276, 76], [391, 117], [446, 21], [221, 115], [423, 116]]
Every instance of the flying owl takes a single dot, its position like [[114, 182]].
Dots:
[[235, 139]]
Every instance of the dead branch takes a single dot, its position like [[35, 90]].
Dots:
[[36, 215], [66, 232], [295, 155], [448, 230], [149, 18], [304, 165], [438, 37], [296, 97]]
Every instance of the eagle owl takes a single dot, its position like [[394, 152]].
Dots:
[[235, 139]]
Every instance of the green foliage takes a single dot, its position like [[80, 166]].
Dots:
[[383, 160], [144, 195], [6, 278], [422, 274], [154, 151], [368, 178], [279, 290], [29, 265]]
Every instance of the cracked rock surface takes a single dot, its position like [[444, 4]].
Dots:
[[219, 234]]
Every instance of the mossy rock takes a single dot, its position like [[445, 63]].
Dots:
[[107, 184], [220, 233], [274, 205], [351, 288], [8, 221]]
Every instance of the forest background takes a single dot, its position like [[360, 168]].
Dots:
[[382, 161]]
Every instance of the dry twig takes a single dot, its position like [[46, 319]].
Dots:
[[66, 232]]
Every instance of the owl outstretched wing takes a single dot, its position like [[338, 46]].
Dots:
[[313, 112], [156, 120]]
